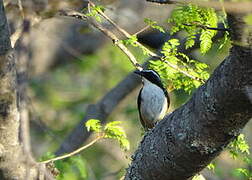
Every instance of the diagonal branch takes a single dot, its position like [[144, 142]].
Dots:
[[124, 49], [105, 31], [77, 151], [149, 52]]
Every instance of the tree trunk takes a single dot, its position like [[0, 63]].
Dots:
[[14, 163], [10, 150]]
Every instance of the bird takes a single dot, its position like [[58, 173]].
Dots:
[[153, 100]]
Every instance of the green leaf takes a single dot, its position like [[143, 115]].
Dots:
[[154, 25], [243, 171], [196, 83], [247, 160], [239, 144], [130, 41], [174, 78], [191, 18], [205, 41], [198, 177], [94, 12], [211, 166], [93, 125], [190, 41], [113, 131], [233, 154], [124, 143]]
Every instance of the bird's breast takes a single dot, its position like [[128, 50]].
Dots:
[[153, 103]]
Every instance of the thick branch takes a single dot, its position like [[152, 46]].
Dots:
[[184, 142]]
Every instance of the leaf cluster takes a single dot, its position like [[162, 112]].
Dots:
[[189, 18], [239, 145], [132, 41], [94, 12], [153, 24], [173, 78], [239, 148], [111, 130]]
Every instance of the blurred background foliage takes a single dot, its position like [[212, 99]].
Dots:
[[60, 93]]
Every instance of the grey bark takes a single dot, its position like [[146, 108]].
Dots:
[[10, 150], [185, 141], [14, 164]]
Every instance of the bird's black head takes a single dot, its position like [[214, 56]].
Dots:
[[152, 76]]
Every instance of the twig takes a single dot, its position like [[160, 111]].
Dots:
[[181, 71], [105, 31], [125, 33], [74, 152], [146, 49], [206, 27], [142, 30]]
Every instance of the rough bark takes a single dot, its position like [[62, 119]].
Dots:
[[185, 141], [10, 150], [14, 164]]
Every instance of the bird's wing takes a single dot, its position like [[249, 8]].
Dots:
[[139, 105], [168, 98]]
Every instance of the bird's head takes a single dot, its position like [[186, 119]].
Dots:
[[150, 75]]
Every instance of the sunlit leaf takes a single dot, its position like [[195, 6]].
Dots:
[[94, 125]]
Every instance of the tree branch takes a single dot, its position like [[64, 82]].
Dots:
[[206, 27], [77, 151], [184, 142], [106, 32], [149, 52]]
